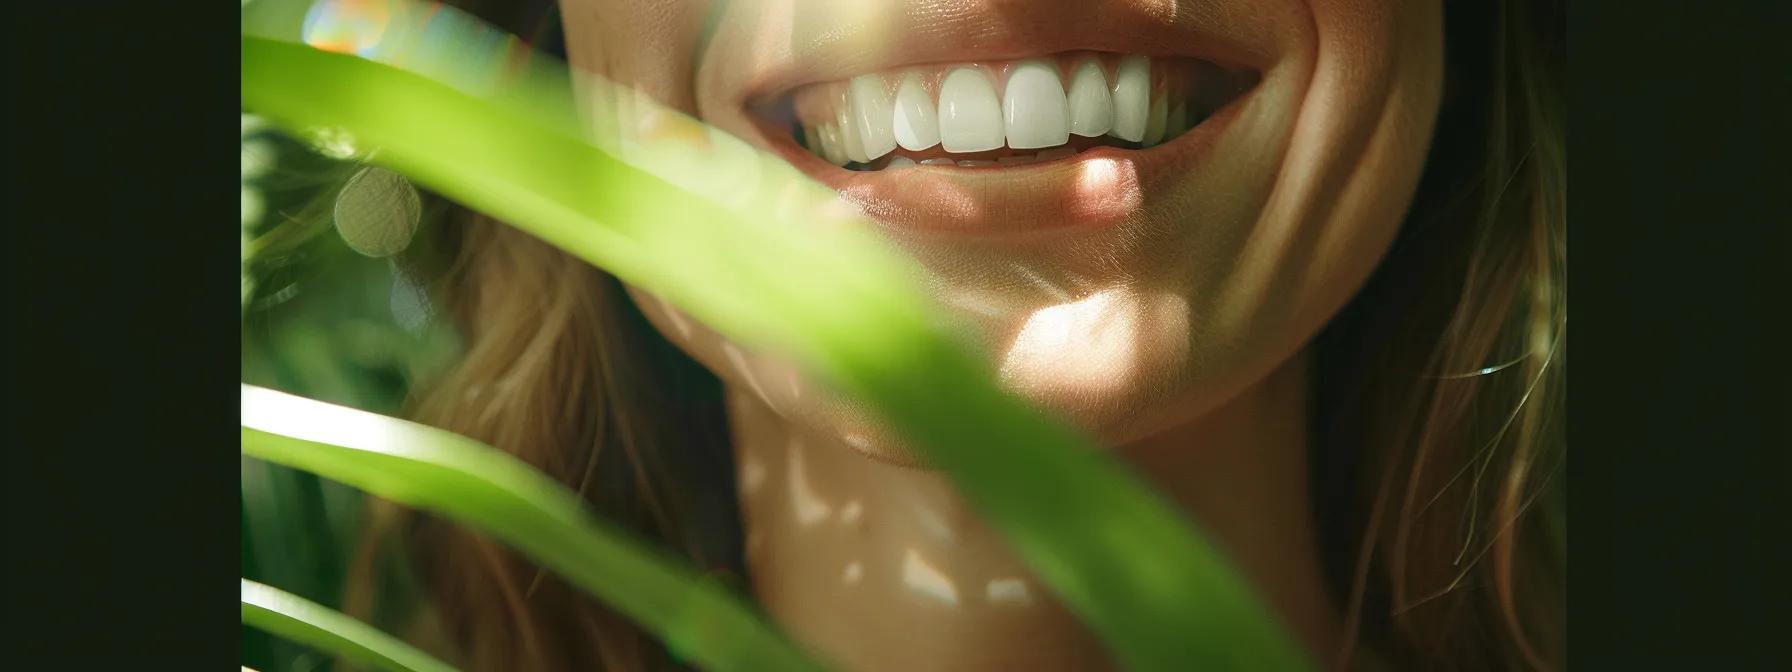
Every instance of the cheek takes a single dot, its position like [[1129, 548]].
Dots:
[[1263, 254], [1361, 141], [1353, 159], [1360, 146], [646, 44]]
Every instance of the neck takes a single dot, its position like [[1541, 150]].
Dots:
[[876, 566]]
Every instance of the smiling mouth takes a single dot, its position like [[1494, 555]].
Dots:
[[1002, 114], [1000, 147]]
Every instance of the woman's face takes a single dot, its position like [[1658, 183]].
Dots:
[[1143, 205]]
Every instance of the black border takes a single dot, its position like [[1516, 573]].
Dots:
[[121, 497], [1677, 388]]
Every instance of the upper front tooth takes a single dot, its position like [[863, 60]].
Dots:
[[1091, 104], [849, 131], [1132, 98], [915, 125], [873, 109], [1034, 110], [970, 116]]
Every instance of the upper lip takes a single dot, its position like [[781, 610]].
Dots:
[[829, 43]]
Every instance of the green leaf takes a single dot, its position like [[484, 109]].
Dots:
[[496, 494], [1117, 552], [308, 622]]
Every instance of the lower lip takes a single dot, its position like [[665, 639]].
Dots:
[[1093, 189]]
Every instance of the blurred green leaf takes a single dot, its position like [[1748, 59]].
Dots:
[[1116, 551], [496, 494], [304, 621]]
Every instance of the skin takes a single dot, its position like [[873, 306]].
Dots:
[[1187, 283]]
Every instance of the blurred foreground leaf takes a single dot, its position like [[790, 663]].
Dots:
[[307, 622], [501, 497], [1117, 552]]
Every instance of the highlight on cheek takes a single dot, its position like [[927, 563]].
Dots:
[[1095, 345], [818, 27]]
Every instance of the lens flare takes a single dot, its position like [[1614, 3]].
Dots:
[[427, 38], [348, 26]]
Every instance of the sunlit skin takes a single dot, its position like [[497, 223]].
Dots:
[[1161, 298]]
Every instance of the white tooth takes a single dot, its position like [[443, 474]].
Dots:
[[1091, 104], [938, 162], [811, 139], [849, 131], [973, 164], [1154, 125], [915, 124], [1034, 112], [1177, 124], [850, 145], [830, 144], [900, 162], [970, 116], [1132, 98], [872, 105]]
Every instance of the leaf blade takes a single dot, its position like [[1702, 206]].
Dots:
[[301, 620], [496, 494]]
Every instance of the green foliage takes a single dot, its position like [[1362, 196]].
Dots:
[[303, 620], [498, 495], [326, 322]]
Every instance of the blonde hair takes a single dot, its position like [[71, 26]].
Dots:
[[1438, 390], [560, 371], [1442, 384]]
